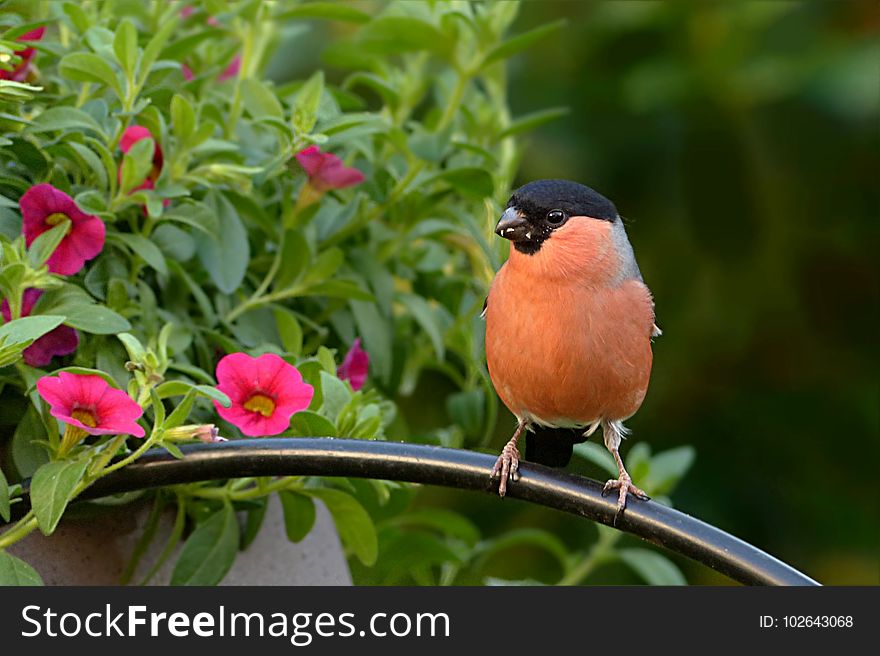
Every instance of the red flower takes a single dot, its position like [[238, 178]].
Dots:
[[355, 366], [42, 207], [130, 137], [90, 404], [19, 73], [60, 341], [326, 170], [231, 70], [265, 393]]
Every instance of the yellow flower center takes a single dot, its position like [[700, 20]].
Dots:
[[58, 217], [260, 403], [85, 417]]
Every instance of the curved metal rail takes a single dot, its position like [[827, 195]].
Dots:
[[321, 456]]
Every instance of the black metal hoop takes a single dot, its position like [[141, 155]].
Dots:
[[321, 456]]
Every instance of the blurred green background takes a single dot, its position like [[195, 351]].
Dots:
[[741, 141]]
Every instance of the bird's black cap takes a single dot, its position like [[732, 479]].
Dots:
[[537, 198]]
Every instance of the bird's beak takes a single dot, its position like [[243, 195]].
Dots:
[[513, 225]]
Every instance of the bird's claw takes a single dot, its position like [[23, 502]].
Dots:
[[507, 467], [624, 484]]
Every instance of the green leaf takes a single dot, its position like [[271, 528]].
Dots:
[[521, 41], [146, 249], [65, 118], [295, 258], [598, 455], [470, 181], [336, 395], [137, 164], [89, 67], [208, 554], [395, 34], [466, 409], [183, 118], [668, 467], [77, 16], [97, 319], [299, 515], [355, 526], [86, 371], [28, 454], [214, 394], [4, 497], [532, 120], [376, 333], [181, 412], [427, 318], [94, 201], [154, 48], [654, 568], [28, 329], [325, 10], [324, 266], [14, 571], [338, 289], [52, 487], [197, 215], [136, 350], [259, 100], [253, 522], [305, 108], [311, 424], [125, 47], [289, 330], [226, 255]]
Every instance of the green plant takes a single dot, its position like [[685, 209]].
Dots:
[[158, 119]]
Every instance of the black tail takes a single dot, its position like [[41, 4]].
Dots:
[[552, 446]]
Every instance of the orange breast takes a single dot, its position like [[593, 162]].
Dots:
[[567, 350]]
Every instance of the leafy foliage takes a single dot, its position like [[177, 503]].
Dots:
[[218, 241]]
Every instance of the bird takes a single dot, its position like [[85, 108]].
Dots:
[[569, 328]]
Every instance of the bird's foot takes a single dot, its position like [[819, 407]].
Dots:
[[507, 467], [624, 484]]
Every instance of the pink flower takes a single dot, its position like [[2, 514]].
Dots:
[[130, 137], [326, 170], [187, 11], [355, 366], [42, 207], [187, 73], [60, 341], [90, 404], [231, 70], [265, 393], [19, 73]]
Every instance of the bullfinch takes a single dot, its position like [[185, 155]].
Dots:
[[569, 326]]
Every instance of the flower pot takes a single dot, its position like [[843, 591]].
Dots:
[[95, 550]]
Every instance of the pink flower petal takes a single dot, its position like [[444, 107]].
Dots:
[[20, 72], [326, 171], [231, 70], [63, 340], [135, 133], [187, 73], [85, 239], [241, 377], [355, 366], [114, 411]]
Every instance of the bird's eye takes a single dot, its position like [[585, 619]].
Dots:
[[555, 217]]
